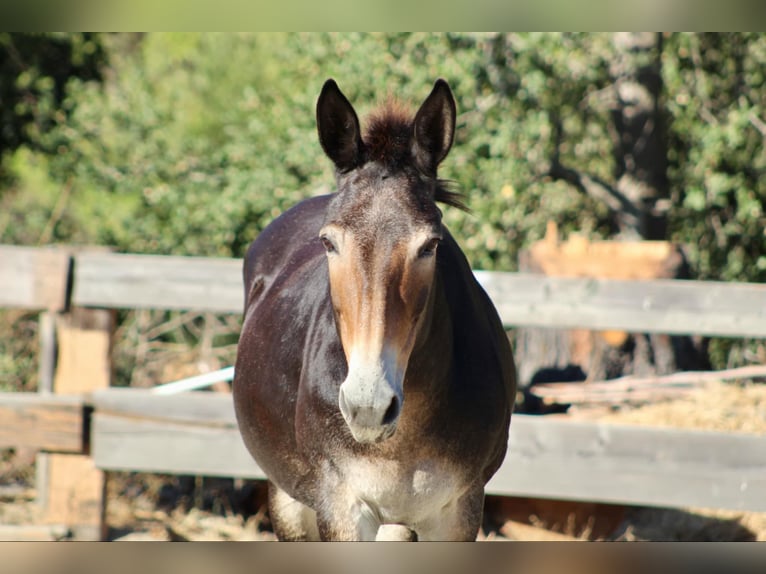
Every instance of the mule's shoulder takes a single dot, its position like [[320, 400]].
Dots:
[[286, 242]]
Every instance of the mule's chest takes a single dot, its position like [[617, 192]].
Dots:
[[396, 491]]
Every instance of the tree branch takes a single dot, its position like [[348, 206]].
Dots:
[[591, 185]]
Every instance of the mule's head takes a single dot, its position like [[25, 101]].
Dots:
[[381, 235]]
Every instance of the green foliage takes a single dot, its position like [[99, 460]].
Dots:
[[34, 69], [717, 104], [717, 107], [195, 141], [192, 143]]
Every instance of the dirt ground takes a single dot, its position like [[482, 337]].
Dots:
[[172, 508]]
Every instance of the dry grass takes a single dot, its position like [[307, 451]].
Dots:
[[718, 406], [724, 407]]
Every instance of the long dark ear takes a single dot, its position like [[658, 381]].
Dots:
[[338, 128], [434, 128]]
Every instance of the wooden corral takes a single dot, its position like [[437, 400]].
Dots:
[[78, 417]]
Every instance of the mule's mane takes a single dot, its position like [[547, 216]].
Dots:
[[387, 139]]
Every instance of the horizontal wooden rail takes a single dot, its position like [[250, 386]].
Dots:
[[53, 423], [196, 433], [658, 306], [124, 281], [647, 466], [38, 278]]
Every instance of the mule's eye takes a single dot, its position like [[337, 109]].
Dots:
[[429, 249], [329, 246]]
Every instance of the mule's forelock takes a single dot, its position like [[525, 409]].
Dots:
[[389, 138], [388, 134]]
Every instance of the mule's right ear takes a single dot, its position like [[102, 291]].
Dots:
[[434, 127], [338, 128]]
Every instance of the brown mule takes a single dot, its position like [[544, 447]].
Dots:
[[374, 381]]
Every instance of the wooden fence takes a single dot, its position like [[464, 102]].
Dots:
[[84, 428]]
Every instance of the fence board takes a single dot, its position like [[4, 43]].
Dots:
[[547, 458], [198, 408], [125, 281], [37, 278], [191, 433], [152, 445], [48, 423], [660, 306], [673, 307], [33, 277], [599, 462]]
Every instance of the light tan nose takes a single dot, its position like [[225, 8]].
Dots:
[[378, 413], [370, 400]]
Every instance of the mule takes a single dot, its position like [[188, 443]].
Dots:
[[374, 381]]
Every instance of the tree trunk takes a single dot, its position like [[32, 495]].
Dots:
[[638, 198], [640, 150]]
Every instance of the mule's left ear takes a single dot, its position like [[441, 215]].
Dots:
[[434, 128]]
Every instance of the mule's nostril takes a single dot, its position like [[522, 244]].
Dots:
[[392, 412]]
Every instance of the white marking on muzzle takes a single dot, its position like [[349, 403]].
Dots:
[[371, 397]]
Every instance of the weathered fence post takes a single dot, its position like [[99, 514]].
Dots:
[[75, 487]]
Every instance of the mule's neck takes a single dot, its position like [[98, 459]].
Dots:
[[432, 355]]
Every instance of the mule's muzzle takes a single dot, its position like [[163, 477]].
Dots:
[[371, 417]]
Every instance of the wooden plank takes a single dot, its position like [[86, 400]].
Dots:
[[37, 278], [46, 373], [76, 493], [198, 429], [158, 282], [34, 277], [54, 424], [196, 407], [547, 458], [659, 306], [582, 460], [150, 445], [84, 351]]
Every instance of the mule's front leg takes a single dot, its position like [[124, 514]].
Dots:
[[292, 520], [347, 519]]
